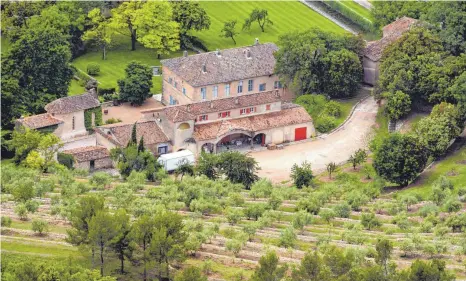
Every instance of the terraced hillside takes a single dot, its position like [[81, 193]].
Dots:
[[231, 228]]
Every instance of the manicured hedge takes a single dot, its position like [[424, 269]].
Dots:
[[350, 14]]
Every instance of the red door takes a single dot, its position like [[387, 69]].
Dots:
[[300, 133]]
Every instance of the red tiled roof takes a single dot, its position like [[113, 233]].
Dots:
[[88, 153], [39, 121], [227, 65], [392, 32], [120, 134], [180, 113], [289, 116], [72, 104]]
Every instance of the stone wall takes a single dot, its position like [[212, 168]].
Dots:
[[98, 164]]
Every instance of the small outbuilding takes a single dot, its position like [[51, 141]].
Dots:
[[90, 157]]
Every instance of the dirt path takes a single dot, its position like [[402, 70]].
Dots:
[[336, 147]]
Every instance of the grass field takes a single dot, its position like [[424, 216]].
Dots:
[[358, 9], [286, 17], [113, 68]]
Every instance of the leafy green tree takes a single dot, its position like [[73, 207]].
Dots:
[[302, 175], [23, 141], [398, 105], [80, 217], [229, 30], [190, 16], [207, 165], [141, 233], [128, 160], [448, 21], [23, 190], [40, 226], [259, 15], [121, 242], [167, 243], [34, 161], [15, 16], [150, 23], [342, 210], [135, 88], [102, 229], [100, 180], [315, 61], [48, 148], [301, 219], [100, 34], [141, 147], [234, 246], [312, 267], [34, 76], [234, 215], [184, 168], [384, 250], [190, 273], [399, 159], [331, 168], [21, 211], [369, 221], [433, 270], [387, 12], [6, 221], [268, 269], [238, 168], [288, 238]]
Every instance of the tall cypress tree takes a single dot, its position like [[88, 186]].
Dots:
[[141, 145], [133, 140]]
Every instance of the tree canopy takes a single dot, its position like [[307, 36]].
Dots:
[[316, 61], [135, 87]]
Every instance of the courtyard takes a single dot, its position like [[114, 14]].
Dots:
[[335, 147]]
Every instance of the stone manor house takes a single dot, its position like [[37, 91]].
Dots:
[[215, 101]]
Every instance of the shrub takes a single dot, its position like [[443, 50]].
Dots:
[[325, 123], [453, 205], [462, 191], [427, 209], [32, 206], [342, 210], [93, 68], [106, 91], [369, 221], [6, 221], [234, 215], [113, 121], [40, 226], [302, 175], [288, 238], [234, 246], [100, 180], [66, 160], [333, 108]]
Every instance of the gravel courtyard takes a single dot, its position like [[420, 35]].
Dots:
[[335, 147]]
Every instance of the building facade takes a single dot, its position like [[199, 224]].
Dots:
[[221, 74], [232, 123], [374, 50]]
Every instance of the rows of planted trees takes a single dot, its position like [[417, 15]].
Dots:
[[220, 213]]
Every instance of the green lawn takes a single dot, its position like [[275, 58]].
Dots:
[[113, 68], [449, 167], [29, 247], [358, 9], [27, 225], [286, 17]]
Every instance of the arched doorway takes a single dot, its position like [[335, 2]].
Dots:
[[259, 139], [235, 141]]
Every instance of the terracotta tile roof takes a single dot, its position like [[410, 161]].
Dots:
[[88, 153], [229, 65], [72, 104], [291, 115], [399, 26], [120, 134], [39, 121], [180, 113], [392, 32]]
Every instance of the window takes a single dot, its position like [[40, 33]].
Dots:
[[203, 94], [277, 85], [73, 121], [184, 91], [262, 87], [215, 92], [203, 117], [172, 100], [267, 107], [162, 149], [170, 80], [227, 90], [224, 114], [184, 126], [250, 85], [176, 85], [240, 87], [247, 110]]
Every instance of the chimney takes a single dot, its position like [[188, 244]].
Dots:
[[236, 101], [204, 68], [217, 52], [211, 105], [256, 42], [188, 108], [93, 92], [185, 54]]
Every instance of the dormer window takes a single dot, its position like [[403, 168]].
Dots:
[[204, 68], [170, 80]]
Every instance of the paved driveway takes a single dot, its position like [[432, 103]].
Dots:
[[336, 147]]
